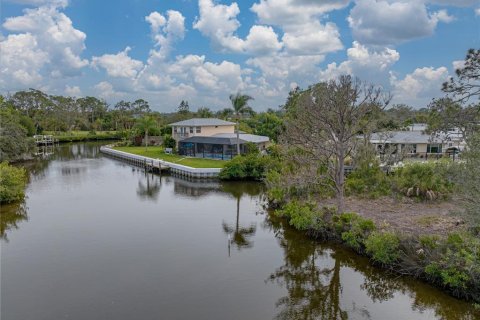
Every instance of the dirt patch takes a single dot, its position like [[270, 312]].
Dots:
[[408, 215]]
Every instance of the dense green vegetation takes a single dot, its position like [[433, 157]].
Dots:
[[252, 166], [14, 141], [428, 180], [77, 136], [12, 183]]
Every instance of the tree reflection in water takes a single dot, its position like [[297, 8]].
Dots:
[[149, 186], [311, 275], [240, 236], [313, 290], [10, 216]]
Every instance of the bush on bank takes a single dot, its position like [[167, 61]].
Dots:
[[251, 166], [452, 262], [12, 183], [427, 180]]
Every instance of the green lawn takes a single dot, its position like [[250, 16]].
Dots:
[[158, 153]]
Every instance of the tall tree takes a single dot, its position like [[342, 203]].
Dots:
[[467, 83], [204, 112], [145, 125], [323, 127], [140, 107], [184, 108], [240, 107]]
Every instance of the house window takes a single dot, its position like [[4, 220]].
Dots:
[[191, 129], [175, 129], [198, 130], [434, 148]]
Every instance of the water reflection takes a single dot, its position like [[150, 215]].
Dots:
[[10, 217], [149, 186], [239, 236], [313, 286], [312, 274]]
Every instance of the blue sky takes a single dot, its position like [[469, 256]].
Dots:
[[202, 51]]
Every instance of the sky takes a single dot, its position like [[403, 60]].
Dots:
[[203, 51]]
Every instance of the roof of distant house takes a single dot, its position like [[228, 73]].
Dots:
[[202, 122], [405, 137], [244, 136], [226, 138]]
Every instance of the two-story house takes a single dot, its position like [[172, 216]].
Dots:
[[212, 138]]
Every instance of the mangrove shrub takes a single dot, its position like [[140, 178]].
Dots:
[[12, 183]]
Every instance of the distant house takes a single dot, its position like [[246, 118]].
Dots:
[[212, 138], [417, 143]]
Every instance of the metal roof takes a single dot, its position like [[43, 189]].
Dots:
[[244, 136], [212, 140], [202, 122], [404, 137], [226, 138]]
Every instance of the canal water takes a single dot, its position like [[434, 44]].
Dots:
[[99, 239]]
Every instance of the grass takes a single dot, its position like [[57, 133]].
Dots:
[[428, 220], [158, 153]]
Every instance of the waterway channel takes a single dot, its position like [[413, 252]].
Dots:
[[99, 239]]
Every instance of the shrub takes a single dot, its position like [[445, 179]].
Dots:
[[369, 181], [353, 229], [383, 247], [423, 180], [251, 167], [458, 264], [12, 183], [303, 216], [168, 141]]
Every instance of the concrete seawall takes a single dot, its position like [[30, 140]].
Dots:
[[161, 165]]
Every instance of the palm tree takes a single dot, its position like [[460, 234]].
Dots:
[[240, 107], [146, 124]]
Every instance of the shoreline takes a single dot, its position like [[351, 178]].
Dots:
[[418, 255]]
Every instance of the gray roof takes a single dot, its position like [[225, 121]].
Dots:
[[404, 137], [244, 136], [227, 138], [211, 140], [202, 122]]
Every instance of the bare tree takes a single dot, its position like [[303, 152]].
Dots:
[[323, 128]]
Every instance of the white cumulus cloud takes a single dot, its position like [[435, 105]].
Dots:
[[73, 91], [47, 39], [383, 22], [21, 61], [419, 87], [118, 65], [165, 31]]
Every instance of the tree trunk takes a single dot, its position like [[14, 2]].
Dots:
[[238, 137], [340, 181], [238, 215], [146, 140]]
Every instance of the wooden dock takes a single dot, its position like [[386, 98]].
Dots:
[[157, 165], [44, 140]]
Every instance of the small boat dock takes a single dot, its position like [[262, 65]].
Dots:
[[44, 140]]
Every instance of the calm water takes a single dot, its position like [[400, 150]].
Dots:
[[98, 239]]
